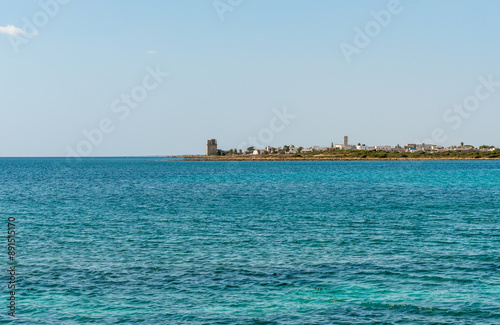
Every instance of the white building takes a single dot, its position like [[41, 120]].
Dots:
[[292, 150], [383, 148], [365, 147], [345, 147]]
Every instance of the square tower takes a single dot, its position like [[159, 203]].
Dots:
[[346, 141], [212, 147]]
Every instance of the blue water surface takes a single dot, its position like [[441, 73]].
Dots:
[[158, 241]]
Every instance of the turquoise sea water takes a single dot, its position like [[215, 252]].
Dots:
[[153, 241]]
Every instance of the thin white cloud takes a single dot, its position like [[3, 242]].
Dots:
[[151, 52], [11, 30]]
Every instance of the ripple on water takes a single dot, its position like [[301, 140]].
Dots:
[[170, 242]]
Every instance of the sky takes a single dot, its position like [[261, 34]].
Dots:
[[160, 77]]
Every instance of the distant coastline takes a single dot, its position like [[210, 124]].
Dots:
[[353, 155], [346, 151]]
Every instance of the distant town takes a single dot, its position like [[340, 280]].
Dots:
[[412, 148]]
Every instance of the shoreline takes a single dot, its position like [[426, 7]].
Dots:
[[326, 158]]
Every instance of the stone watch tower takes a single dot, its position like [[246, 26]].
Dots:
[[212, 147]]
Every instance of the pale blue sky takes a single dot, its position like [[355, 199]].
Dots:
[[227, 76]]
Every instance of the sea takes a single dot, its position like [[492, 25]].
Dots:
[[166, 241]]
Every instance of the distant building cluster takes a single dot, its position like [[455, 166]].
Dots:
[[212, 149]]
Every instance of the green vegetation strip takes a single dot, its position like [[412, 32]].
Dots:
[[360, 155]]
